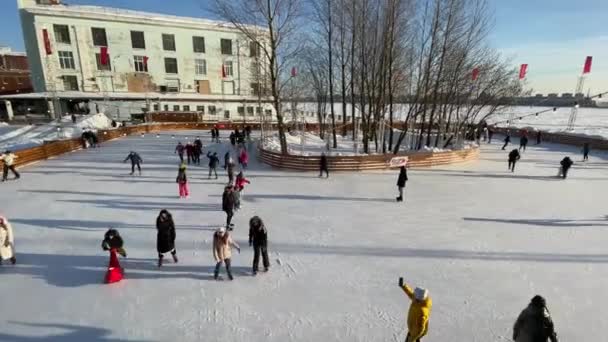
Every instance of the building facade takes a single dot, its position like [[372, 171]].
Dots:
[[203, 65], [14, 73]]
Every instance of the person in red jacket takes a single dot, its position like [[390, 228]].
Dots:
[[244, 158], [239, 185]]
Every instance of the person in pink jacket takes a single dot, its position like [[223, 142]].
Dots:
[[244, 158], [182, 182], [239, 185]]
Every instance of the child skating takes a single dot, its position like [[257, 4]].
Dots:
[[182, 182]]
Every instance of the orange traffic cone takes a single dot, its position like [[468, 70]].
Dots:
[[115, 272]]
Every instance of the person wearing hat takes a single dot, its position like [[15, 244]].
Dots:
[[8, 158], [419, 312], [165, 237], [7, 241], [182, 182], [222, 251], [534, 323]]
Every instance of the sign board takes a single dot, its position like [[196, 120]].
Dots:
[[398, 162]]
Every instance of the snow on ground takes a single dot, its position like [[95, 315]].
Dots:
[[481, 239], [314, 145], [20, 137]]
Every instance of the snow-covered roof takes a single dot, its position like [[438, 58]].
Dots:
[[127, 96], [126, 15]]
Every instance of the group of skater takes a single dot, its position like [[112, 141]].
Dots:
[[193, 151]]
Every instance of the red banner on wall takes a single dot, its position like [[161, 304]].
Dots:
[[47, 41], [523, 69], [587, 68], [475, 74], [103, 51], [223, 71]]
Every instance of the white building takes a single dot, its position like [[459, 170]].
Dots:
[[152, 61]]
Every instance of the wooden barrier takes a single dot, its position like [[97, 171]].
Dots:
[[369, 162]]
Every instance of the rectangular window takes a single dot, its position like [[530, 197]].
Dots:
[[254, 49], [249, 111], [186, 108], [228, 69], [200, 109], [166, 108], [70, 83], [156, 107], [172, 89], [99, 36], [226, 114], [200, 66], [62, 34], [212, 110], [258, 110], [137, 40], [141, 65], [255, 89], [170, 65], [226, 45], [100, 66], [268, 112], [168, 42], [176, 108], [198, 44], [241, 111], [66, 60]]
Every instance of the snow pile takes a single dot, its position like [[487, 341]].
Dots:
[[3, 124], [20, 137], [314, 145]]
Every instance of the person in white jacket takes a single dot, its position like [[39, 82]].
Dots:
[[9, 160], [7, 241]]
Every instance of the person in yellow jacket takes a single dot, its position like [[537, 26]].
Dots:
[[8, 158], [419, 313]]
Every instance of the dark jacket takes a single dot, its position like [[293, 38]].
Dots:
[[586, 148], [534, 324], [213, 160], [189, 149], [402, 177], [181, 176], [179, 148], [508, 138], [228, 200], [135, 158], [566, 163], [165, 234], [258, 235], [523, 140], [226, 158], [198, 143], [514, 155], [323, 162]]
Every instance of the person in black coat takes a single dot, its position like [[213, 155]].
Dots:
[[586, 149], [323, 166], [507, 141], [213, 161], [232, 138], [165, 236], [198, 150], [523, 142], [538, 137], [566, 164], [228, 202], [534, 323], [490, 135], [135, 161], [226, 159], [258, 238], [514, 156], [401, 182]]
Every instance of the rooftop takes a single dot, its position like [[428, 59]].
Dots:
[[127, 96]]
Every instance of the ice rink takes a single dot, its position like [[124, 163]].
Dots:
[[481, 239]]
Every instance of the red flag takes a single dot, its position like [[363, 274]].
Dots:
[[146, 61], [294, 72], [223, 71], [47, 41], [587, 68], [104, 55], [522, 71], [475, 74]]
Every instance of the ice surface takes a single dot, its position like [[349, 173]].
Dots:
[[482, 240]]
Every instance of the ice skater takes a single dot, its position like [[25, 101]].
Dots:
[[8, 158], [258, 238], [244, 159], [523, 142], [213, 162], [190, 153], [226, 159], [179, 149], [538, 137], [534, 323], [198, 150], [182, 182], [113, 242], [586, 149], [566, 164], [514, 156], [401, 182], [230, 171], [228, 203], [419, 312], [490, 135], [239, 185], [165, 236], [323, 166], [222, 251], [507, 141], [7, 242], [135, 161]]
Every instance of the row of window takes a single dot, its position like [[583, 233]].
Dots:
[[138, 40], [212, 110]]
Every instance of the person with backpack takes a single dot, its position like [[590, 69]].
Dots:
[[182, 182], [419, 313], [222, 251], [401, 182], [566, 164], [179, 149], [514, 156], [165, 236], [507, 141], [213, 162], [8, 158], [135, 161], [534, 323], [7, 241], [258, 239], [228, 204], [586, 149], [323, 166]]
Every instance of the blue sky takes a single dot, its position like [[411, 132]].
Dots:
[[552, 36]]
